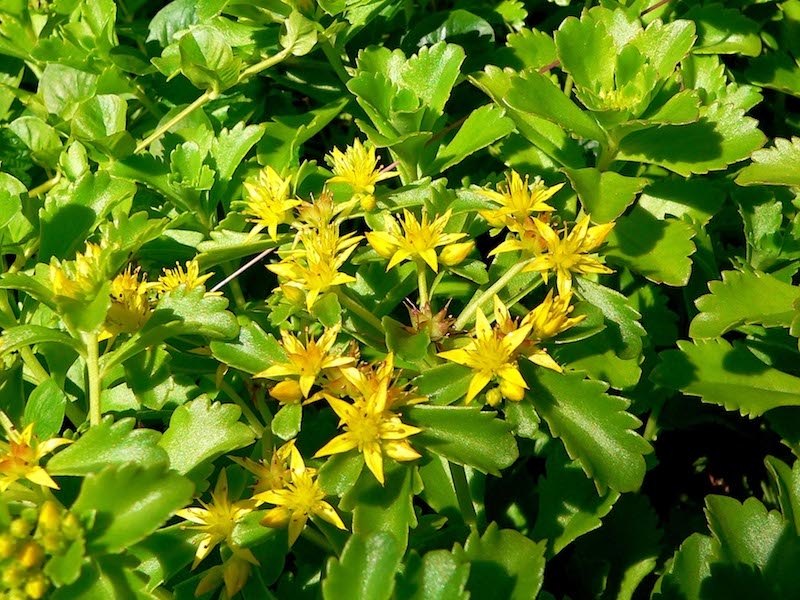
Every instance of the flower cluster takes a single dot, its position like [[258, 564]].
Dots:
[[20, 456], [29, 542]]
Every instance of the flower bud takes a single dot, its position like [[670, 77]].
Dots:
[[36, 587], [7, 545], [287, 392], [455, 253], [30, 555]]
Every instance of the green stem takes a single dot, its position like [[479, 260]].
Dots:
[[251, 417], [39, 373], [335, 60], [265, 64], [359, 310], [93, 375], [204, 99], [422, 282], [45, 187], [463, 495], [471, 308]]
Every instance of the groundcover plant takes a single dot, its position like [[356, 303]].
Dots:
[[361, 299]]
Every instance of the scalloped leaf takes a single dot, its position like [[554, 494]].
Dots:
[[503, 564], [483, 126], [464, 435], [108, 444], [252, 351], [435, 576], [528, 48], [787, 480], [743, 298], [776, 165], [690, 567], [722, 136], [594, 427], [604, 195], [432, 73], [660, 250], [746, 532], [128, 503], [729, 376], [213, 429], [365, 570]]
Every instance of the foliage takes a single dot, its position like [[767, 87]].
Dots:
[[369, 299]]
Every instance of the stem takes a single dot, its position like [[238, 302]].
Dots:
[[422, 282], [45, 187], [204, 99], [471, 308], [359, 310], [463, 495], [335, 60], [265, 64], [93, 374], [38, 372], [251, 417]]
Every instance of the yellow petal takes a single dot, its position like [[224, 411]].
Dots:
[[476, 384], [296, 525], [327, 512], [382, 242], [374, 459], [276, 518], [341, 443], [512, 375], [401, 451]]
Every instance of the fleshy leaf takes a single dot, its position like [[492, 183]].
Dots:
[[594, 427], [746, 532], [729, 376], [108, 444], [724, 31], [465, 435], [503, 564], [129, 503], [253, 351], [604, 195], [213, 429], [743, 298], [483, 126], [776, 165], [45, 409], [365, 570], [435, 576]]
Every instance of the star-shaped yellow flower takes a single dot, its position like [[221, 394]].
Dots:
[[20, 456], [216, 520], [268, 203], [275, 475], [172, 279], [358, 167], [518, 200], [307, 361], [296, 502], [411, 238], [130, 304], [491, 354], [570, 254], [372, 429], [79, 279]]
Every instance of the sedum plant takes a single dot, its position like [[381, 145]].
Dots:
[[366, 299]]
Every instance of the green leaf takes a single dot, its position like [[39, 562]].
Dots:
[[594, 427], [10, 206], [569, 505], [743, 298], [213, 430], [128, 503], [63, 88], [15, 338], [776, 165], [108, 444], [207, 59], [622, 321], [45, 409], [388, 507], [729, 376], [99, 117], [436, 576], [287, 421], [366, 569], [327, 310], [526, 49], [724, 31], [595, 356], [658, 249], [604, 195], [464, 435], [340, 472], [252, 351], [432, 73], [690, 567], [444, 384], [536, 94], [722, 136], [231, 146], [301, 34], [787, 480], [106, 577], [483, 126], [164, 553], [695, 199], [503, 564], [193, 312], [746, 532], [408, 346], [777, 71]]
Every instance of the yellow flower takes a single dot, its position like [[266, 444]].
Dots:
[[233, 572], [296, 502], [371, 428], [216, 520], [274, 476], [551, 317], [306, 362], [79, 279], [491, 354], [518, 200], [314, 269], [20, 456], [569, 254], [417, 239], [172, 279], [268, 203], [358, 167], [364, 381], [130, 304]]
